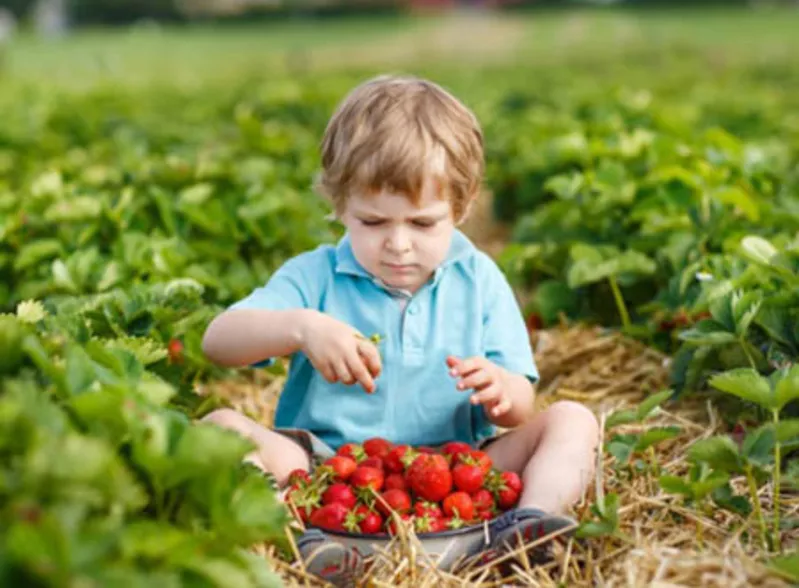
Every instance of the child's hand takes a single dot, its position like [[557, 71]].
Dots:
[[487, 379], [339, 352]]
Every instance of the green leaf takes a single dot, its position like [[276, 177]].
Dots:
[[786, 566], [739, 199], [621, 417], [80, 372], [758, 250], [707, 485], [565, 187], [724, 497], [718, 452], [744, 383], [154, 540], [787, 430], [621, 448], [595, 529], [221, 572], [204, 449], [651, 403], [675, 485], [700, 336], [37, 251], [787, 388], [655, 436], [758, 446]]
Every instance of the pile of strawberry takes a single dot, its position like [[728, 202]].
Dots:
[[365, 488]]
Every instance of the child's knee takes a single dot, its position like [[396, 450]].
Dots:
[[573, 416], [226, 417]]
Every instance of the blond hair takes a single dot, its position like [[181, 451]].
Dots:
[[394, 133]]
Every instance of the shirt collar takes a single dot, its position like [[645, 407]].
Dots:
[[460, 248]]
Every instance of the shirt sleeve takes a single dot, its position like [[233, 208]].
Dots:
[[506, 339], [296, 284]]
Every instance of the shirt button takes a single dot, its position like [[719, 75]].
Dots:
[[413, 309]]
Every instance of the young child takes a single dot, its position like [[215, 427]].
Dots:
[[402, 165]]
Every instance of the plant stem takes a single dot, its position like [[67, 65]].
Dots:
[[625, 316], [777, 541], [750, 478], [751, 359]]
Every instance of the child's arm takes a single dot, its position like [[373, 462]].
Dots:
[[520, 393], [243, 337]]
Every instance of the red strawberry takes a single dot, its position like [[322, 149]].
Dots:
[[534, 321], [372, 522], [425, 449], [507, 498], [395, 482], [340, 493], [353, 451], [428, 524], [377, 447], [329, 516], [512, 481], [459, 504], [479, 458], [483, 500], [175, 350], [367, 477], [453, 449], [299, 477], [485, 515], [423, 508], [340, 467], [373, 462], [363, 520], [399, 458], [397, 500], [429, 477], [466, 477]]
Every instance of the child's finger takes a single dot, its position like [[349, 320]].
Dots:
[[501, 408], [371, 358], [490, 394], [328, 373], [361, 374], [477, 379], [343, 372], [467, 366]]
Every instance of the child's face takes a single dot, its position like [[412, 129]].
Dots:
[[396, 241]]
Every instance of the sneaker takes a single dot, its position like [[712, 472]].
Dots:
[[329, 560], [529, 525]]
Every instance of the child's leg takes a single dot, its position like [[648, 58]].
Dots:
[[554, 453], [275, 453]]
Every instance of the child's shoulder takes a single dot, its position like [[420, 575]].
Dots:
[[480, 266], [320, 259]]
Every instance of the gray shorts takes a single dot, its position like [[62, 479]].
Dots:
[[318, 451]]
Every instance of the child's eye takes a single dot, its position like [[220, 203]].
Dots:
[[423, 224], [372, 223]]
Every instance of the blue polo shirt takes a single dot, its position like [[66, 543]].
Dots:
[[466, 309]]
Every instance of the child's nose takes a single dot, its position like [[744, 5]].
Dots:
[[398, 241]]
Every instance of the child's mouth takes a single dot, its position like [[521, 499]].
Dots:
[[400, 268]]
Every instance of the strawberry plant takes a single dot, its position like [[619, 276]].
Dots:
[[107, 478]]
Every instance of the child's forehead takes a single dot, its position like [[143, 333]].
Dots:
[[389, 203]]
